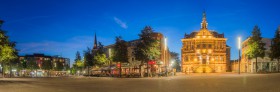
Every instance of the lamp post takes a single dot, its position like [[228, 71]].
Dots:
[[109, 56], [239, 59], [165, 61]]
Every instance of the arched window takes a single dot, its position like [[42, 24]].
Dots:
[[186, 59]]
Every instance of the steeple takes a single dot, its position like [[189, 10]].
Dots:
[[95, 42], [204, 22]]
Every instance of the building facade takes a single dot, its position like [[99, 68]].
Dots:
[[249, 65], [57, 62], [134, 64], [204, 51]]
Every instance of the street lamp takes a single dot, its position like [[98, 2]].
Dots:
[[239, 47], [109, 56], [165, 48]]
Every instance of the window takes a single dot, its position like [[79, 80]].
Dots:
[[209, 46], [204, 45], [186, 59]]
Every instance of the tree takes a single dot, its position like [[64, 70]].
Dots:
[[8, 52], [22, 65], [148, 48], [88, 58], [275, 47], [175, 57], [78, 63], [100, 48], [78, 56], [32, 64], [120, 53], [99, 56], [255, 46], [59, 66], [47, 65], [101, 59]]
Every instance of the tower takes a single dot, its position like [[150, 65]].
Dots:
[[95, 43], [204, 51], [204, 22]]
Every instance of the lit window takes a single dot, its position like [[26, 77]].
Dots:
[[209, 51], [198, 51]]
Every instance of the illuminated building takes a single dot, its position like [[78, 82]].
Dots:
[[247, 65], [205, 51], [40, 58], [133, 64]]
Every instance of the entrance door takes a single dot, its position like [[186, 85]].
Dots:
[[203, 61]]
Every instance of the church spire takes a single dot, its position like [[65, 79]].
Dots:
[[204, 22], [95, 42]]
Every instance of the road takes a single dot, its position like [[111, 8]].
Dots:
[[181, 83]]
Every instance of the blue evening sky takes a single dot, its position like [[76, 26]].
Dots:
[[62, 27]]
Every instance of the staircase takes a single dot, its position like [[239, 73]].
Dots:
[[203, 69]]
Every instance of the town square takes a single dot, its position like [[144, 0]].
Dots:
[[180, 83], [139, 46]]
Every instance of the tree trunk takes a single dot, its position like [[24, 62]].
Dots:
[[3, 72], [148, 69], [32, 71], [50, 73], [256, 64], [88, 70], [10, 70], [278, 64], [140, 70], [110, 68], [120, 71]]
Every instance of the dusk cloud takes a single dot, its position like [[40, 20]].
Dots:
[[120, 23]]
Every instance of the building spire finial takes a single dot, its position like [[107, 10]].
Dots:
[[204, 22], [95, 42]]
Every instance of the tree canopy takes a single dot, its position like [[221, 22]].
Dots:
[[148, 48], [46, 64], [101, 59], [120, 51], [275, 46], [88, 57], [78, 56], [255, 44], [7, 48], [175, 58]]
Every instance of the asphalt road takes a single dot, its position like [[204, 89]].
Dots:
[[180, 83]]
